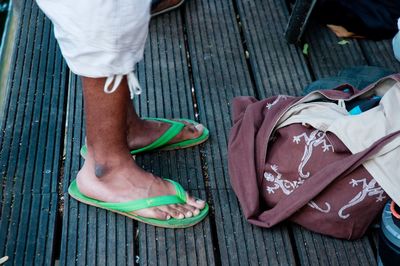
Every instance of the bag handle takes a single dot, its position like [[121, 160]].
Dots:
[[313, 186]]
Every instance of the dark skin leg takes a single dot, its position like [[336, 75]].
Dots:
[[109, 172]]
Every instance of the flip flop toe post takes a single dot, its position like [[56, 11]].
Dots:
[[126, 208], [189, 142]]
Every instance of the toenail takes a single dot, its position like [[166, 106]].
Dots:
[[168, 217], [192, 129], [199, 201], [199, 127], [189, 214], [181, 216], [196, 212]]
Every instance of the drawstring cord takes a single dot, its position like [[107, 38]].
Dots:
[[133, 84], [342, 104]]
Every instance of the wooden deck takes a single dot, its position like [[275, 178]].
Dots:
[[196, 60]]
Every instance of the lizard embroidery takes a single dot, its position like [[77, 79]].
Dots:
[[269, 105], [315, 139], [288, 187], [368, 189]]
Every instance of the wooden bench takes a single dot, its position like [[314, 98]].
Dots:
[[196, 60]]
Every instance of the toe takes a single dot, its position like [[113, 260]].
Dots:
[[193, 210], [199, 130], [193, 131], [185, 210], [154, 213], [161, 215], [196, 130], [189, 207], [196, 203], [173, 212]]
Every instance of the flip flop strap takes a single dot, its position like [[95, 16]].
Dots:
[[134, 205], [187, 142], [175, 129]]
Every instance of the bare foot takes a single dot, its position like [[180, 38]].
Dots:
[[144, 132], [121, 180]]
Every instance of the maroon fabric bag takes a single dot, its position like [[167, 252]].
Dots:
[[300, 173]]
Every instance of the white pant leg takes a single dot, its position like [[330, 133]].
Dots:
[[99, 38]]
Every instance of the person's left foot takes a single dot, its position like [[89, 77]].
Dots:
[[161, 6]]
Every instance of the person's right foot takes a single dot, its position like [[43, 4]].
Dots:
[[121, 180]]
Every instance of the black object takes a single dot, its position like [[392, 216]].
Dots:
[[301, 12], [389, 254], [389, 240], [396, 221], [361, 105], [374, 19]]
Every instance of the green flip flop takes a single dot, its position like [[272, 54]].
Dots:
[[161, 143], [125, 208]]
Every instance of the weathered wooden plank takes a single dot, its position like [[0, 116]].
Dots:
[[243, 244], [380, 53], [191, 246], [90, 236], [321, 250], [326, 55], [164, 74], [30, 235], [220, 73], [279, 68], [167, 93], [31, 141]]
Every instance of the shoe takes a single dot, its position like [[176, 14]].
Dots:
[[161, 142], [159, 7], [125, 208]]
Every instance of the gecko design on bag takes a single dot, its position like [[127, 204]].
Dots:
[[280, 97], [288, 187], [315, 139], [314, 205], [368, 189]]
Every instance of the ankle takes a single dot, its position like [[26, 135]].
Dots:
[[106, 152], [105, 162], [101, 170], [136, 129], [136, 125]]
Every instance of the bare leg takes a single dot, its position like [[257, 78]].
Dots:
[[109, 172]]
